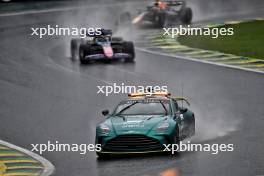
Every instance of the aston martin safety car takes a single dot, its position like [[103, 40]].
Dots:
[[144, 123]]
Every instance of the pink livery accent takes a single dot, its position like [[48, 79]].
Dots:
[[108, 51]]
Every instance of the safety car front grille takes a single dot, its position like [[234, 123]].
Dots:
[[133, 143]]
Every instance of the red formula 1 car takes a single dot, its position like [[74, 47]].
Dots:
[[162, 13]]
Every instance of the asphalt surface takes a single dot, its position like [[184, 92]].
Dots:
[[47, 96]]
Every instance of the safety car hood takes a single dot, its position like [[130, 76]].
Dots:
[[138, 124]]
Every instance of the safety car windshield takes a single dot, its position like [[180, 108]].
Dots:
[[143, 107]]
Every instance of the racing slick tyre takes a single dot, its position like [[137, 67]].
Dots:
[[129, 48], [74, 48], [84, 51], [162, 20], [186, 15]]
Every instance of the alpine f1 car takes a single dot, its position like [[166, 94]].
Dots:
[[144, 123], [103, 47], [162, 14]]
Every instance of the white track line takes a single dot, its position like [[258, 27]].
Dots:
[[48, 166], [197, 60]]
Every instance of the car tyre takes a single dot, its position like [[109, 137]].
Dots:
[[74, 48], [129, 48], [84, 51], [162, 20], [186, 15]]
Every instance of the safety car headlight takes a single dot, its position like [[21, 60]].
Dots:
[[162, 127], [104, 129]]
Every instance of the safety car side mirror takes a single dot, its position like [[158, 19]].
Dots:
[[183, 110], [105, 112]]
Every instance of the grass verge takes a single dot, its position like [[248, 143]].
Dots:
[[247, 40]]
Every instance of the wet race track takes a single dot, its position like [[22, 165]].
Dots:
[[47, 96]]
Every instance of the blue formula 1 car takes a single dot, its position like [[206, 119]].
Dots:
[[102, 47]]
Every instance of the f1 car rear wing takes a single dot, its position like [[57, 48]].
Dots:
[[181, 99], [107, 32], [104, 32], [175, 2]]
